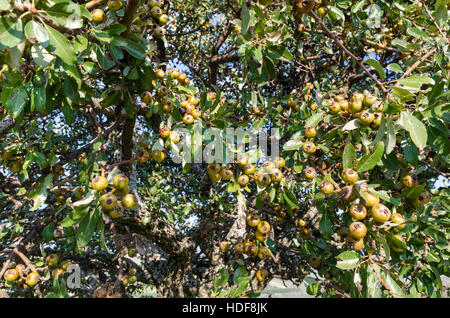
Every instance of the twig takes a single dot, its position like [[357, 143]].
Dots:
[[417, 64], [342, 46]]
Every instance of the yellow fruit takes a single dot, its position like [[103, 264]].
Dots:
[[117, 211], [380, 213], [52, 260], [11, 275], [129, 201], [263, 227], [253, 219], [32, 279], [397, 218], [97, 16], [120, 181], [261, 274], [158, 155], [243, 180]]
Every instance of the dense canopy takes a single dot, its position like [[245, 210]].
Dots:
[[98, 97]]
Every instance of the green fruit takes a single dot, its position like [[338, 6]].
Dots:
[[263, 227], [355, 244], [309, 147], [97, 16], [309, 173], [243, 180], [314, 261], [120, 181], [253, 219], [115, 5], [357, 230], [108, 201], [349, 176], [397, 218], [52, 260], [310, 132], [32, 279], [326, 187], [117, 211], [99, 183], [163, 19], [365, 118], [226, 174], [265, 2], [358, 212], [11, 275], [129, 201], [380, 213], [371, 200], [264, 180], [261, 274], [369, 100]]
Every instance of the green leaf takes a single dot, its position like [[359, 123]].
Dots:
[[377, 66], [38, 99], [385, 197], [41, 56], [394, 67], [337, 12], [35, 30], [349, 155], [373, 282], [413, 192], [441, 15], [10, 33], [390, 138], [242, 285], [87, 228], [137, 50], [245, 17], [290, 198], [325, 225], [16, 102], [393, 286], [61, 46], [292, 145], [358, 6], [39, 193], [414, 83], [369, 161], [417, 130], [4, 5], [351, 125], [47, 232], [314, 119], [347, 260], [74, 217]]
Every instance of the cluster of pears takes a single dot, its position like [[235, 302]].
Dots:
[[98, 15], [365, 107], [23, 278], [269, 172], [160, 17], [411, 180], [57, 267], [368, 205], [293, 103], [164, 98], [130, 278], [108, 201], [13, 162], [252, 248]]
